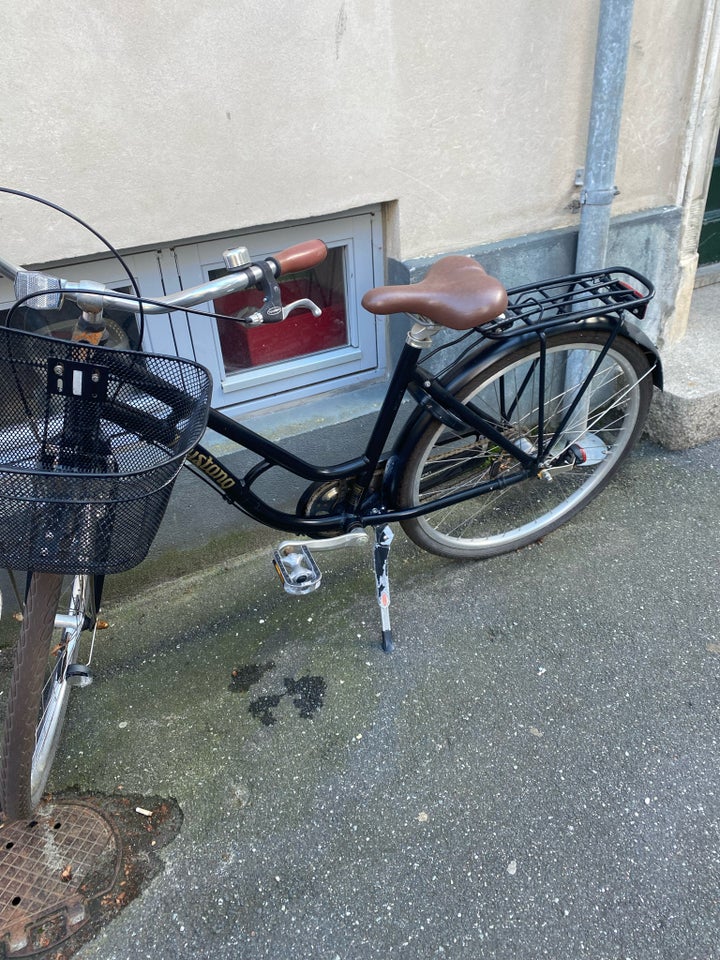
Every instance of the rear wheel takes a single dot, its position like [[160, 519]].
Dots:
[[56, 612], [602, 431]]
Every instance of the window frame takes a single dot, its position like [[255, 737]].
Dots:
[[363, 357], [170, 267]]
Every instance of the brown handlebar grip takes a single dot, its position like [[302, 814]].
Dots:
[[300, 257]]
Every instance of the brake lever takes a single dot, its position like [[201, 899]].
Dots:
[[301, 305], [272, 309]]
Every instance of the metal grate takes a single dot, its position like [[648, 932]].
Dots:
[[50, 867]]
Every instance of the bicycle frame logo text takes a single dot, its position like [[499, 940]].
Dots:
[[211, 469]]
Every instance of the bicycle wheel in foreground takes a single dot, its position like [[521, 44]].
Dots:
[[49, 641], [602, 431]]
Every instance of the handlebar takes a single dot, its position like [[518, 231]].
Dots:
[[47, 292]]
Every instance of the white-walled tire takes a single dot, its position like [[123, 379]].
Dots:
[[445, 462], [55, 615]]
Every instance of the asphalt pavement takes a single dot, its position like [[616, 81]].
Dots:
[[532, 773]]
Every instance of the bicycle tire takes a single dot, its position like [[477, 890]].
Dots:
[[39, 687], [444, 461]]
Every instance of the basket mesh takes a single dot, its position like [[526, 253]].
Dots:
[[91, 441]]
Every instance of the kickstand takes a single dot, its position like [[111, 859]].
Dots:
[[381, 551]]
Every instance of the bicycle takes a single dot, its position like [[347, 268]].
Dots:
[[544, 394]]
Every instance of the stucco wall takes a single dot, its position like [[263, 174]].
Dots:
[[184, 119]]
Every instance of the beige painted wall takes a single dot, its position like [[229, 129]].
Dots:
[[183, 119]]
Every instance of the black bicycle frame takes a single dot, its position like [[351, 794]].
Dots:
[[366, 504]]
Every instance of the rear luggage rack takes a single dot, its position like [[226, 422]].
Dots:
[[561, 300]]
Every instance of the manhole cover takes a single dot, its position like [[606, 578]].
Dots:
[[50, 867]]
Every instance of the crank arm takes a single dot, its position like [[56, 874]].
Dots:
[[352, 539]]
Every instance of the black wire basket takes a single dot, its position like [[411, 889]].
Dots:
[[91, 441]]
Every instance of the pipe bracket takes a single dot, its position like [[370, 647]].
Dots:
[[599, 198]]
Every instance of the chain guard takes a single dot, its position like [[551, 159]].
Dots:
[[322, 499]]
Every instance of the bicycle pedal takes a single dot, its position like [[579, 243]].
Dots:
[[297, 569], [78, 675]]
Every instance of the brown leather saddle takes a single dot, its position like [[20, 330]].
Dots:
[[456, 292]]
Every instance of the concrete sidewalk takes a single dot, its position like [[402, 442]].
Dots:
[[533, 773]]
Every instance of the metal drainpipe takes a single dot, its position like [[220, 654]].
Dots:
[[599, 190], [611, 53]]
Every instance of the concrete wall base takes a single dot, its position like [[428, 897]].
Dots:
[[687, 412]]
